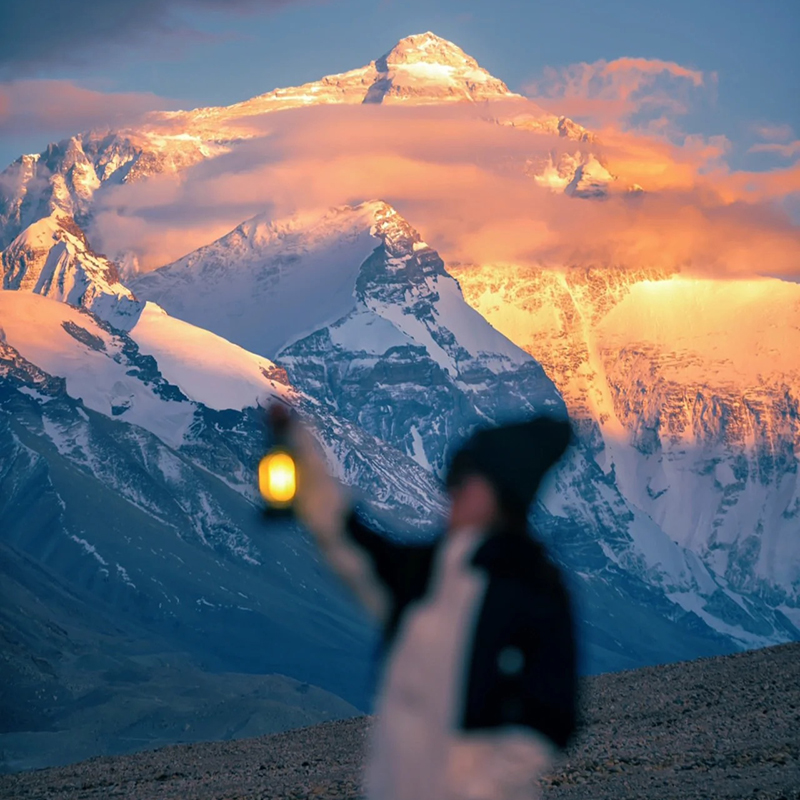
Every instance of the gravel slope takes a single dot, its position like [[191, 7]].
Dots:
[[726, 727]]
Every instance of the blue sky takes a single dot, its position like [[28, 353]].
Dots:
[[211, 52]]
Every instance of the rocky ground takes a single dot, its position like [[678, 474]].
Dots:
[[715, 728]]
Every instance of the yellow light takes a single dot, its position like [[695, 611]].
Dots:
[[277, 478]]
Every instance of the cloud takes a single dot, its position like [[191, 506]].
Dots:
[[57, 107], [460, 179], [621, 92], [762, 186], [37, 34], [788, 150], [773, 133]]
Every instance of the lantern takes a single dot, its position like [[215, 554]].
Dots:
[[277, 479]]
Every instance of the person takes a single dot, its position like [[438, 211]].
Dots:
[[478, 689]]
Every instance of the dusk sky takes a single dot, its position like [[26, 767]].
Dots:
[[186, 54]]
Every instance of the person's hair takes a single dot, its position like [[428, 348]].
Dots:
[[513, 458], [513, 521]]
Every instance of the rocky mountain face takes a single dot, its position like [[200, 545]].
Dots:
[[66, 177], [52, 257], [687, 391], [106, 371]]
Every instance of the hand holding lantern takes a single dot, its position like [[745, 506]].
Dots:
[[277, 470]]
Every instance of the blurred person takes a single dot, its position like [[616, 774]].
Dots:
[[478, 690]]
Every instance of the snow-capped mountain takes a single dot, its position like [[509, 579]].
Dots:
[[422, 69], [126, 481], [572, 173], [47, 200], [380, 318], [688, 390], [128, 490], [619, 556], [109, 372], [148, 527], [419, 70], [66, 177], [158, 429]]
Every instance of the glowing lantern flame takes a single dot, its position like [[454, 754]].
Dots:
[[277, 478]]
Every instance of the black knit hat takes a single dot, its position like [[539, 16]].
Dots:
[[513, 458]]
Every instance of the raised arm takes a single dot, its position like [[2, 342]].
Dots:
[[373, 566]]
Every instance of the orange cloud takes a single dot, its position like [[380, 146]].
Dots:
[[460, 178], [606, 92], [650, 66], [55, 106], [777, 139], [758, 186], [656, 163]]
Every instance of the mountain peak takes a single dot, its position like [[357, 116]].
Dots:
[[424, 68], [427, 48]]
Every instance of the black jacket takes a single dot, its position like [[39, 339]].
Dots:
[[522, 664]]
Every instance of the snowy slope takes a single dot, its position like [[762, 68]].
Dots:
[[99, 366], [206, 367], [731, 350], [335, 297], [267, 284], [110, 373], [288, 276], [688, 390]]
